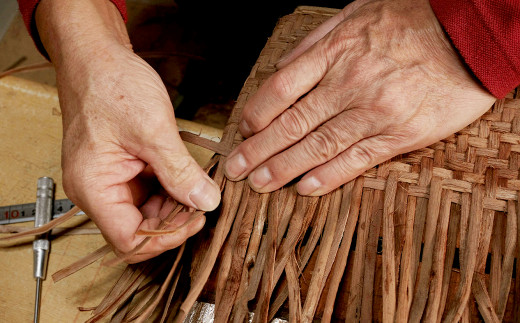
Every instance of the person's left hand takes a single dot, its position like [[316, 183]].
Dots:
[[377, 80]]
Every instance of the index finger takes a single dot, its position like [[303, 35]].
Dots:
[[283, 89]]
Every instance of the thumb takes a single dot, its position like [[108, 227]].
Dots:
[[180, 175]]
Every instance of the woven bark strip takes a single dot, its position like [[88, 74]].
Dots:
[[423, 283], [454, 218], [389, 271], [439, 259], [371, 252], [507, 265], [380, 248], [406, 278]]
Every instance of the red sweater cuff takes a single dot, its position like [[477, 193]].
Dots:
[[28, 7], [487, 35]]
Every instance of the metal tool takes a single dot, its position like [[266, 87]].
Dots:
[[43, 213], [25, 212]]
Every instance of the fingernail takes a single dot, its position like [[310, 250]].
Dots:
[[260, 177], [235, 166], [308, 186], [205, 196], [244, 129]]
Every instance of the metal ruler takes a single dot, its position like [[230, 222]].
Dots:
[[25, 212]]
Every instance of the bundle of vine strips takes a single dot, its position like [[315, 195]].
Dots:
[[430, 236]]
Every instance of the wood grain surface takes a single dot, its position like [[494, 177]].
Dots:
[[30, 147]]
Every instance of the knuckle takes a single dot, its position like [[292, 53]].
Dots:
[[294, 124], [365, 154], [185, 170], [359, 157], [323, 144], [253, 118], [282, 85]]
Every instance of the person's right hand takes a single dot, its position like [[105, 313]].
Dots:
[[122, 156]]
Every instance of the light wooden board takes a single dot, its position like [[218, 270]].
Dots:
[[30, 147]]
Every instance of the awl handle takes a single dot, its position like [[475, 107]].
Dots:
[[44, 198]]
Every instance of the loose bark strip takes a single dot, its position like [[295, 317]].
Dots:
[[120, 313], [296, 234], [319, 273], [295, 306], [80, 264], [133, 286], [119, 287], [170, 297], [146, 314], [450, 254], [297, 227], [287, 213], [350, 205], [228, 250], [470, 256], [110, 303], [46, 227], [466, 316], [132, 311], [149, 236], [262, 307], [239, 249], [508, 261], [484, 302], [293, 234], [342, 208], [406, 284], [240, 309], [423, 283], [60, 231], [439, 258], [157, 233], [389, 270], [230, 202], [32, 67]]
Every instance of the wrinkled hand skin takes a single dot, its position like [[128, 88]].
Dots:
[[123, 160], [377, 80]]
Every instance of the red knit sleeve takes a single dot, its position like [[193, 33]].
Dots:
[[487, 35], [27, 8]]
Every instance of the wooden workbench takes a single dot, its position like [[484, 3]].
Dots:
[[30, 147]]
